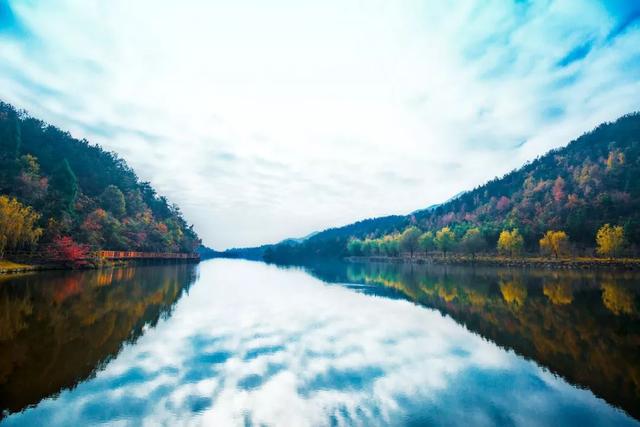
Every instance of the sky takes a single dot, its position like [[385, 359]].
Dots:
[[268, 120]]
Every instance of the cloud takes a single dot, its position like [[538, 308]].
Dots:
[[264, 121]]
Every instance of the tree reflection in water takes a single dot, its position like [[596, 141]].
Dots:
[[59, 328], [583, 326]]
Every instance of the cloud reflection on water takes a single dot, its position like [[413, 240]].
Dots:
[[253, 344]]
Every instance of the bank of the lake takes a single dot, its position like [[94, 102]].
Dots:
[[9, 267], [501, 261]]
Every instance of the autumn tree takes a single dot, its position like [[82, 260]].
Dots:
[[610, 240], [510, 242], [426, 242], [445, 240], [17, 225], [614, 159], [409, 239], [473, 241], [30, 186], [554, 243], [558, 189], [66, 251]]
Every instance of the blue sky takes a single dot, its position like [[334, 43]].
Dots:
[[265, 121]]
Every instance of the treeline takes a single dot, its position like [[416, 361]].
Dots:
[[64, 196], [593, 181], [610, 242]]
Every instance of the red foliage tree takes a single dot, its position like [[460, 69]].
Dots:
[[503, 203], [66, 251], [558, 189]]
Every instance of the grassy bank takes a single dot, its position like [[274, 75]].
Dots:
[[500, 261], [12, 267]]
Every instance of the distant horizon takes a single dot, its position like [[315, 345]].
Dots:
[[434, 205], [267, 122]]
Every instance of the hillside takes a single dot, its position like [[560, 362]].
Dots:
[[77, 195], [592, 181]]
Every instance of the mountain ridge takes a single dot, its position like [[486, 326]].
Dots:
[[594, 179]]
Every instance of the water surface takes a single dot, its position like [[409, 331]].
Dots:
[[243, 343]]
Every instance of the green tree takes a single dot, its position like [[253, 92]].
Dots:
[[113, 201], [610, 240], [10, 143], [473, 241], [445, 240], [391, 245], [409, 240], [354, 247], [426, 242], [66, 182]]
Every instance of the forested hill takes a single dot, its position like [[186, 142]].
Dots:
[[70, 192], [592, 181]]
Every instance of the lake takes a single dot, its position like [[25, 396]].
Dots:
[[232, 342]]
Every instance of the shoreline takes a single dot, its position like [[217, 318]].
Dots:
[[9, 267], [524, 262]]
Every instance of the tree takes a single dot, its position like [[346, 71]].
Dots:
[[391, 245], [503, 203], [473, 241], [610, 240], [554, 243], [409, 239], [510, 242], [29, 185], [354, 247], [426, 242], [112, 200], [17, 225], [10, 143], [445, 240], [66, 251], [367, 248], [558, 189], [67, 183]]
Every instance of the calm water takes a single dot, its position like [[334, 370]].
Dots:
[[243, 343]]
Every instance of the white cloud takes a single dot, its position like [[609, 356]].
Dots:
[[264, 121]]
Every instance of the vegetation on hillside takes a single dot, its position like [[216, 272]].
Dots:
[[575, 191], [60, 192]]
